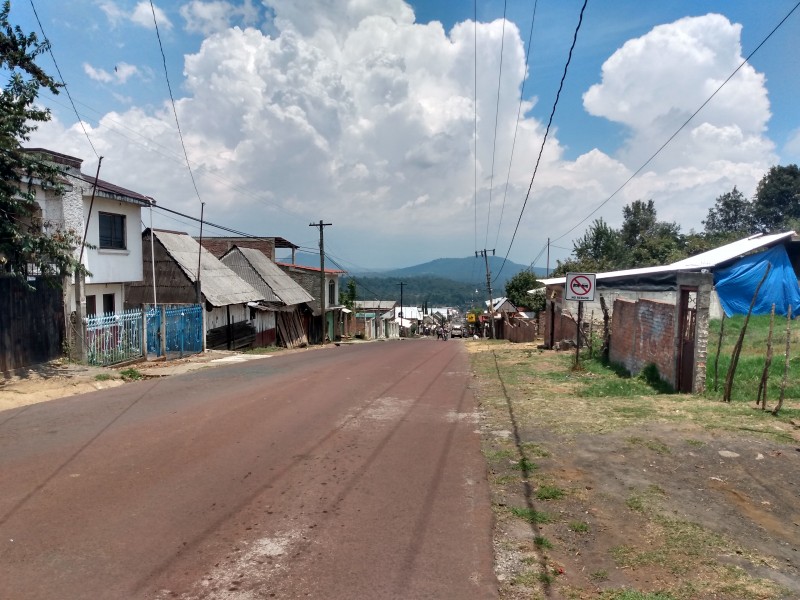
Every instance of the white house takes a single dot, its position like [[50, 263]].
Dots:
[[113, 245]]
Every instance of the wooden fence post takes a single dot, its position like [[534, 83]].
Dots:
[[762, 385], [737, 349], [785, 361]]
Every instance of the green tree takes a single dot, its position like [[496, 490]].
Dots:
[[645, 240], [26, 243], [777, 198], [517, 288], [731, 217], [599, 249], [347, 297]]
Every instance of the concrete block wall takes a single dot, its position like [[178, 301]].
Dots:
[[642, 333]]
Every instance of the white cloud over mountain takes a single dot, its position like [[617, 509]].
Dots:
[[355, 113]]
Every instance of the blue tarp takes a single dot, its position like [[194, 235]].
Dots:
[[736, 284]]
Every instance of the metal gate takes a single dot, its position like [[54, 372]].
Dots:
[[114, 338], [183, 329]]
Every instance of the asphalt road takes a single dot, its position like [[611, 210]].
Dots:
[[347, 472]]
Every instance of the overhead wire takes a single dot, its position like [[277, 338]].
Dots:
[[544, 139], [61, 77], [516, 126], [677, 131], [496, 121], [475, 127], [172, 100]]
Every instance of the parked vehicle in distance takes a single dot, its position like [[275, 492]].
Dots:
[[456, 331]]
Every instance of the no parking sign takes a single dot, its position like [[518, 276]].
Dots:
[[580, 286]]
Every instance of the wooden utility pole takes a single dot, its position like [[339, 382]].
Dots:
[[323, 316], [485, 254]]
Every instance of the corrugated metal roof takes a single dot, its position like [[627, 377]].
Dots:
[[272, 279], [705, 260], [219, 285], [376, 305]]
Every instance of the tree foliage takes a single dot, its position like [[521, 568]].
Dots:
[[347, 296], [26, 243], [645, 240], [731, 217], [641, 241], [777, 199], [517, 288]]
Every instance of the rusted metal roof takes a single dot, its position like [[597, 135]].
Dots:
[[219, 285], [265, 276]]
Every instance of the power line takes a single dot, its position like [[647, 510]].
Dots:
[[63, 82], [544, 139], [516, 125], [677, 131], [496, 118], [172, 100]]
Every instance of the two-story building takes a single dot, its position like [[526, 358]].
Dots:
[[108, 219]]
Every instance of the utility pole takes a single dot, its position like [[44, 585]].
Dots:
[[401, 284], [547, 272], [324, 317], [485, 254]]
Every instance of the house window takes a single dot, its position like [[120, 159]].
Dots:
[[91, 305], [112, 231], [108, 304], [332, 293]]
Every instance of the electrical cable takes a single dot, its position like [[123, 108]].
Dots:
[[516, 126], [685, 123], [172, 100], [63, 82], [544, 139], [496, 120]]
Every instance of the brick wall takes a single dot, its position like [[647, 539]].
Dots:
[[643, 333], [563, 325]]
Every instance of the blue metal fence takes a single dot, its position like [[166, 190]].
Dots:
[[183, 327], [114, 338]]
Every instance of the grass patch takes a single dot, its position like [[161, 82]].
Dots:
[[696, 443], [550, 492], [578, 526], [265, 350], [634, 595], [646, 501], [530, 515], [542, 542], [103, 377], [500, 454], [131, 374], [598, 576], [525, 465], [656, 446], [533, 449]]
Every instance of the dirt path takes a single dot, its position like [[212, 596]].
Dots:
[[668, 494]]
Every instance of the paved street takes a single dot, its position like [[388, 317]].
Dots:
[[348, 472]]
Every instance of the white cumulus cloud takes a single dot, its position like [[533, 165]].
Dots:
[[353, 112], [208, 17], [143, 15]]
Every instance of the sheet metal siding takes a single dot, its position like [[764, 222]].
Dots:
[[239, 264], [284, 287], [219, 284]]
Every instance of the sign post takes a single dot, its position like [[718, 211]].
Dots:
[[580, 288]]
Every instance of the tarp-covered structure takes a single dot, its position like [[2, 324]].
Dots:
[[737, 284]]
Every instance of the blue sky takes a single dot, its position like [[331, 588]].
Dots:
[[361, 113]]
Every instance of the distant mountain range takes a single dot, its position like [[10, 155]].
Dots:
[[470, 270]]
